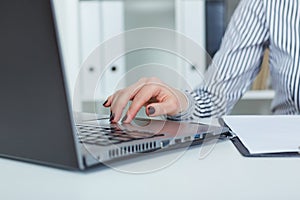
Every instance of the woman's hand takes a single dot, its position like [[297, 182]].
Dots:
[[156, 96]]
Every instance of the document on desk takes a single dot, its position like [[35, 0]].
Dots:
[[267, 134]]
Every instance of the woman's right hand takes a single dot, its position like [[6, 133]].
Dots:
[[156, 96]]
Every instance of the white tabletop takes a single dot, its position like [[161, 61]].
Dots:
[[222, 174]]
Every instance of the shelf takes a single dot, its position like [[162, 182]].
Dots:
[[259, 95]]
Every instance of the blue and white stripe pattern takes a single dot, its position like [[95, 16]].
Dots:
[[255, 25]]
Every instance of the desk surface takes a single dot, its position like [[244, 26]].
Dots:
[[223, 174]]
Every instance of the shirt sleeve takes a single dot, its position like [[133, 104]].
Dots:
[[234, 66]]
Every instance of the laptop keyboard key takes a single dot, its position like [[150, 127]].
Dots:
[[103, 136]]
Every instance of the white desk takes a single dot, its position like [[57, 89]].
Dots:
[[223, 174]]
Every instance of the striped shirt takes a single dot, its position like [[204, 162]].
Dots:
[[254, 26]]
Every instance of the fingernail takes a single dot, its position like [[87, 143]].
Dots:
[[112, 116], [151, 110], [105, 102], [124, 118]]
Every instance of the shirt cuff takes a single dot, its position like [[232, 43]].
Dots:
[[187, 114]]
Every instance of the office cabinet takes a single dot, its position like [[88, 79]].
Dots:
[[101, 21]]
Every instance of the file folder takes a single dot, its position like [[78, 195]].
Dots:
[[264, 136]]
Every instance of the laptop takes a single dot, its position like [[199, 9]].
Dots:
[[37, 122]]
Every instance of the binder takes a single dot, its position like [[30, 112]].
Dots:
[[244, 150]]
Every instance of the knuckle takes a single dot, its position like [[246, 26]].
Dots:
[[122, 92], [143, 80], [116, 93], [154, 80], [153, 87]]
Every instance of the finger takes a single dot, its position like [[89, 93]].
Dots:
[[140, 99], [108, 101], [118, 104], [136, 87], [133, 89], [170, 101], [121, 99], [162, 108]]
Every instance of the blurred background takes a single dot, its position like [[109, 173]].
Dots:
[[85, 24]]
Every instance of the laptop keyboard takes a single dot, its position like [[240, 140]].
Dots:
[[108, 135]]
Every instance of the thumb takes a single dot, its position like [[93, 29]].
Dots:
[[161, 108]]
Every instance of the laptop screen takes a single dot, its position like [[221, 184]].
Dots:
[[35, 120]]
